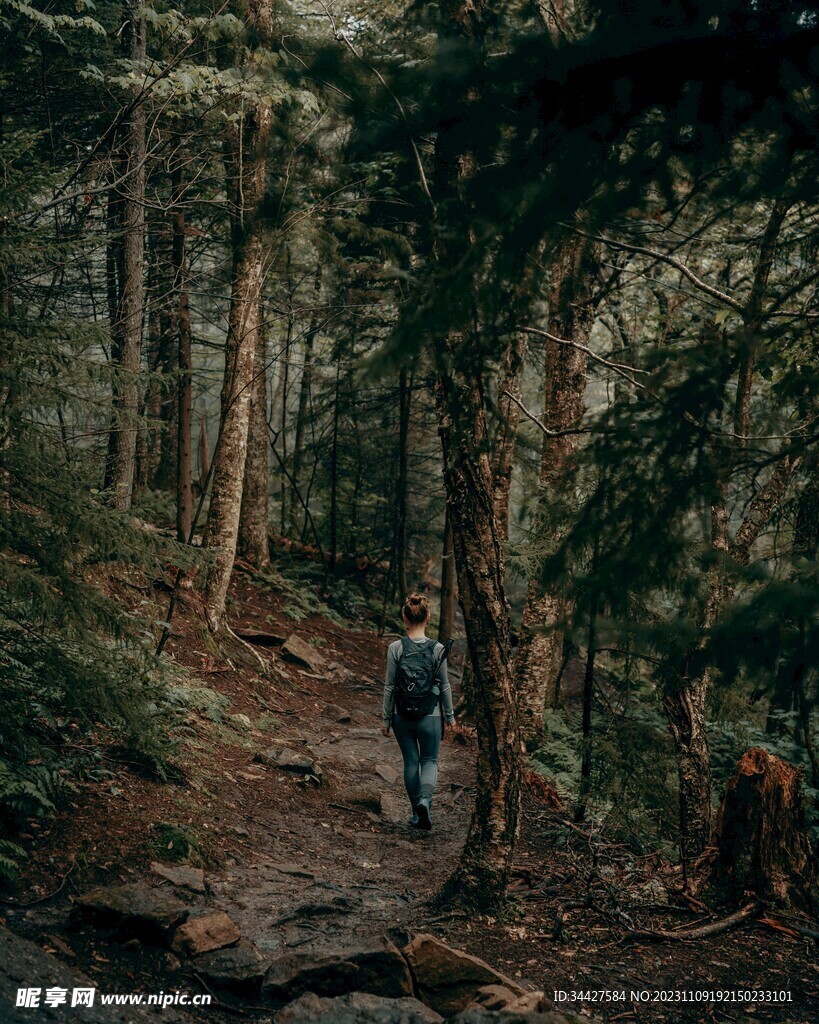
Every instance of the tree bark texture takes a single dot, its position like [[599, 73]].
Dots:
[[482, 873], [571, 317], [248, 166], [127, 325]]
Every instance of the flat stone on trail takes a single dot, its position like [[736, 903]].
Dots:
[[205, 931], [448, 979], [356, 1008], [182, 875], [296, 649], [362, 796], [294, 870], [387, 773], [239, 969], [135, 909], [377, 968]]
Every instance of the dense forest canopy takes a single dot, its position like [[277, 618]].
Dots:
[[264, 265]]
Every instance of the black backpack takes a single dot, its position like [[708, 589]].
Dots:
[[416, 688]]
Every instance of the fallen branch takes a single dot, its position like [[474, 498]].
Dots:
[[789, 928], [690, 934]]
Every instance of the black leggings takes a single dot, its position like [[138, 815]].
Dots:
[[420, 743]]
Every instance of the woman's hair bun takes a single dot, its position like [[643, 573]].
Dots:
[[416, 609]]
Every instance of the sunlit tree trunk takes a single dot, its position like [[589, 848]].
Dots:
[[127, 325], [247, 163]]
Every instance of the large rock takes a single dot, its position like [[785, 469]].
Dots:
[[134, 909], [296, 649], [239, 969], [356, 1008], [448, 979], [377, 968], [205, 931], [182, 875]]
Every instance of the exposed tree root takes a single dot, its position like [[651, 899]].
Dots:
[[689, 934]]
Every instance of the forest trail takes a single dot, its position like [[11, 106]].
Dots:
[[336, 869]]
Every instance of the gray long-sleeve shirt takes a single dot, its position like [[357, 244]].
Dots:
[[393, 657]]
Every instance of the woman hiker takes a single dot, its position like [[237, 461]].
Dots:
[[415, 689]]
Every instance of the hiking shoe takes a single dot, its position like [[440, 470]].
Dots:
[[424, 817], [414, 820]]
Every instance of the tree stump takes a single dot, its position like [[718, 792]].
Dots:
[[761, 843]]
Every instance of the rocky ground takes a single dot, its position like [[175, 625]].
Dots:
[[278, 871]]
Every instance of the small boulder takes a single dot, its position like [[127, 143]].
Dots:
[[182, 875], [356, 1008], [387, 773], [135, 909], [287, 760], [337, 714], [377, 968], [363, 796], [205, 931], [239, 969], [448, 979], [296, 649]]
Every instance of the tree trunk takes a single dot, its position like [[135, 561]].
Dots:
[[482, 873], [248, 165], [402, 488], [204, 452], [148, 457], [506, 441], [181, 319], [304, 398], [761, 843], [127, 327], [446, 619], [571, 316], [588, 704], [254, 522], [334, 472]]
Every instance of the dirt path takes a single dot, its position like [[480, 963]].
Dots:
[[333, 870]]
